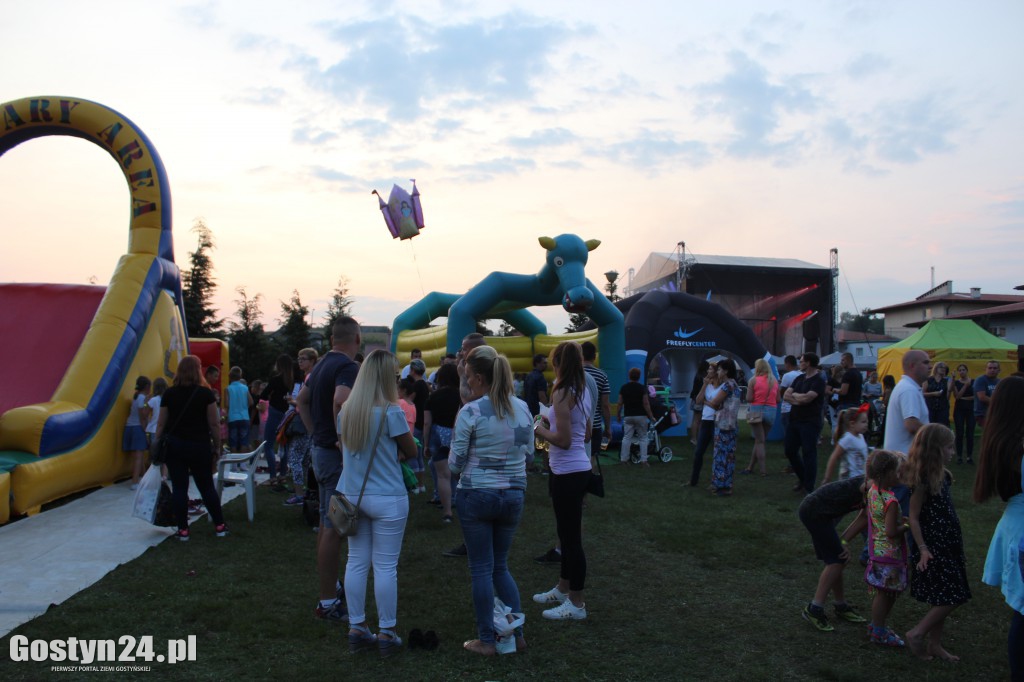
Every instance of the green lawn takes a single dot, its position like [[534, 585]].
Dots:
[[681, 585]]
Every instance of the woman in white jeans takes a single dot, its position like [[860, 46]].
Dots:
[[372, 423]]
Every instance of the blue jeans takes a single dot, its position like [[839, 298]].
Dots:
[[489, 519], [274, 418], [803, 435], [327, 471]]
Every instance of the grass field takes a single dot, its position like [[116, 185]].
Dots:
[[681, 586]]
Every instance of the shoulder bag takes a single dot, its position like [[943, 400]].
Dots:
[[344, 515]]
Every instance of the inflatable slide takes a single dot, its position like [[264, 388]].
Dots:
[[70, 354]]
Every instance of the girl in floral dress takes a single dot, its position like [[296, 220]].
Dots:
[[727, 404], [939, 570], [887, 559]]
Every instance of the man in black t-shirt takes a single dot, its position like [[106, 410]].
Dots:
[[535, 389], [851, 384], [806, 395], [318, 404]]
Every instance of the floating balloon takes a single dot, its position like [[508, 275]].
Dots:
[[403, 213]]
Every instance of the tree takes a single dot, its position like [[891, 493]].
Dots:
[[339, 306], [198, 287], [250, 348], [293, 335], [865, 322], [576, 320]]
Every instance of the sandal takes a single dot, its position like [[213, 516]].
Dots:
[[361, 639], [885, 637], [478, 647], [744, 472], [389, 646]]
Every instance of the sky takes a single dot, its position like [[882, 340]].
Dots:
[[889, 130]]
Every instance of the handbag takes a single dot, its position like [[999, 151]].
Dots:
[[754, 414], [344, 515], [595, 486]]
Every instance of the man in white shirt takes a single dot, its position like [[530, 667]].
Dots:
[[907, 411]]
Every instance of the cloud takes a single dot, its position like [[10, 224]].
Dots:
[[653, 151], [484, 171], [867, 64], [753, 103], [263, 97], [404, 64], [335, 177], [904, 132], [549, 137], [370, 127], [307, 134], [200, 15]]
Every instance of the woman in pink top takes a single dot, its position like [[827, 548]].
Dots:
[[762, 395]]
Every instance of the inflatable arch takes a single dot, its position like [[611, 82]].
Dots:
[[503, 295], [71, 439]]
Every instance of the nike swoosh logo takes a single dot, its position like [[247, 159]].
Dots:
[[685, 335]]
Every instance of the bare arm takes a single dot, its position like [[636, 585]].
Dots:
[[302, 407], [213, 421], [833, 459], [893, 523], [912, 424], [801, 398], [606, 412], [916, 502], [561, 436], [406, 446], [428, 423]]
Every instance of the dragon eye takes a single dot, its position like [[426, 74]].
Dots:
[[558, 261]]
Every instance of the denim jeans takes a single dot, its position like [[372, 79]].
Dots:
[[803, 435], [274, 418], [489, 519], [327, 470]]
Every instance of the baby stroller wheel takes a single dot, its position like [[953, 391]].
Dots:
[[666, 454], [634, 453]]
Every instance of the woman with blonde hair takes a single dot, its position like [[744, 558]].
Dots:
[[489, 447], [762, 399], [567, 428], [190, 419], [375, 437]]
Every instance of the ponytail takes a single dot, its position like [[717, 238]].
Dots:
[[501, 387]]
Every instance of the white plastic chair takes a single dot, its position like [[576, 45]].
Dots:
[[246, 475]]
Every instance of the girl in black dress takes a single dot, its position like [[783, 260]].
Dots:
[[939, 570]]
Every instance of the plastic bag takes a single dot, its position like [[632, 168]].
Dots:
[[152, 501], [505, 623]]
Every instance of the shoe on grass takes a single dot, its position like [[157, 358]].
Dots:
[[455, 552], [335, 613], [221, 530], [552, 596], [846, 612], [182, 534], [293, 501], [817, 619], [552, 556], [566, 611]]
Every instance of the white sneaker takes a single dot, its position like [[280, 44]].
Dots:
[[552, 596], [566, 611]]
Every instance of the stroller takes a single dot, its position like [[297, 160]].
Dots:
[[661, 423]]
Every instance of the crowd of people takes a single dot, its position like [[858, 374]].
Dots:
[[472, 429]]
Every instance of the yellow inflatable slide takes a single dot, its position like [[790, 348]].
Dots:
[[71, 354]]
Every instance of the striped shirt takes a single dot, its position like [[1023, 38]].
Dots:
[[603, 388]]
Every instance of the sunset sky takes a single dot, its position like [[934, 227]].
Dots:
[[890, 130]]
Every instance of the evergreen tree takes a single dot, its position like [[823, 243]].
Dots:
[[294, 333], [250, 348], [198, 286], [576, 320], [339, 306]]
